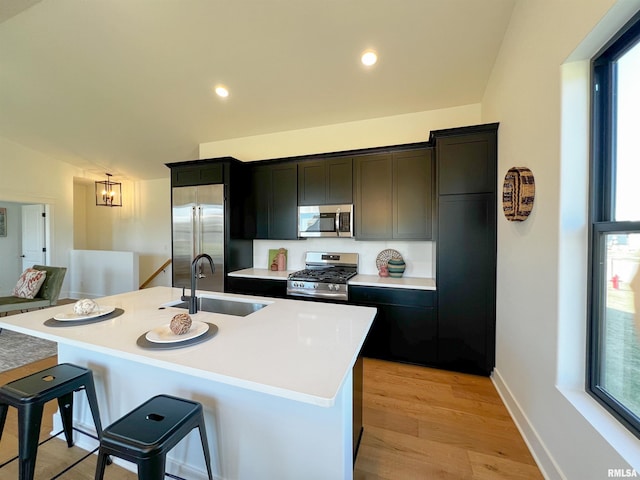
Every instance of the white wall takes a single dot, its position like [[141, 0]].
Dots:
[[538, 290], [396, 130], [31, 177], [142, 225], [145, 227]]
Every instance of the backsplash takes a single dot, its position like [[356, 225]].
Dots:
[[417, 255]]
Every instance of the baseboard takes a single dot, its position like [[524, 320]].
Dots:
[[538, 450]]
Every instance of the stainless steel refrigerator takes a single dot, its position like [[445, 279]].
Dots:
[[198, 227]]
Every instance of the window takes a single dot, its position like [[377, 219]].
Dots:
[[613, 370]]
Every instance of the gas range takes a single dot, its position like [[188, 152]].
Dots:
[[325, 276]]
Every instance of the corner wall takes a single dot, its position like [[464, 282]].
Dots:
[[539, 287]]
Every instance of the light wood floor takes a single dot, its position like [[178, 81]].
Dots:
[[419, 423], [423, 423]]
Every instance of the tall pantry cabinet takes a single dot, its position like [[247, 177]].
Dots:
[[466, 173]]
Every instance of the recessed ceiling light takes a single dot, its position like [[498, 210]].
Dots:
[[369, 58], [222, 91]]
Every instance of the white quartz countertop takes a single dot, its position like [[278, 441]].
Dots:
[[261, 273], [293, 349], [417, 283]]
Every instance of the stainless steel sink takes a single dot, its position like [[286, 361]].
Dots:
[[223, 306]]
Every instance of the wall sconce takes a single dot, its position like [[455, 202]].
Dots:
[[108, 193]]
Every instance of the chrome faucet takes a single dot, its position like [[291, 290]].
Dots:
[[193, 300]]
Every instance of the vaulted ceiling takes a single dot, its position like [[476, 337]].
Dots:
[[127, 85]]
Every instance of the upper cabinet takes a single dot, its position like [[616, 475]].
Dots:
[[468, 164], [198, 173], [326, 181], [412, 194], [275, 196], [394, 195]]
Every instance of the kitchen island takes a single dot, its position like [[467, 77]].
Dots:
[[276, 385]]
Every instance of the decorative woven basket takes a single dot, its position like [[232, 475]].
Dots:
[[518, 193], [396, 267]]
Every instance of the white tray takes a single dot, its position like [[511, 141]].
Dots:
[[73, 317], [163, 334]]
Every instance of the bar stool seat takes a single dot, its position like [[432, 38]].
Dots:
[[29, 395], [146, 434]]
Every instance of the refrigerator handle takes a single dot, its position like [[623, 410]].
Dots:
[[194, 248], [200, 233], [200, 242]]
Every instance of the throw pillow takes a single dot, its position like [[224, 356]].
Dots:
[[29, 283]]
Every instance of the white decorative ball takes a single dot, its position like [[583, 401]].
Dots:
[[85, 307]]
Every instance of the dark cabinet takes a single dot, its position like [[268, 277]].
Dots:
[[467, 163], [326, 181], [405, 327], [374, 197], [394, 195], [197, 174], [466, 248], [412, 194], [262, 287], [276, 201]]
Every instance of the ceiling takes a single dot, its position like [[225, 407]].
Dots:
[[125, 86]]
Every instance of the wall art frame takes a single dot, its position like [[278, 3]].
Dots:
[[3, 222]]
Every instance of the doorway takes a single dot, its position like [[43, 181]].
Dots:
[[36, 232]]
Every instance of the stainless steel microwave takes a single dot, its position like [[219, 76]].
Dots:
[[325, 221]]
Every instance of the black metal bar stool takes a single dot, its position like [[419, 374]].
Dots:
[[146, 434], [29, 394]]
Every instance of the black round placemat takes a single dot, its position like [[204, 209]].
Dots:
[[144, 343], [52, 322]]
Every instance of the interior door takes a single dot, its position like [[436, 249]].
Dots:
[[33, 236]]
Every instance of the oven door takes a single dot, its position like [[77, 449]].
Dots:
[[305, 291], [325, 221]]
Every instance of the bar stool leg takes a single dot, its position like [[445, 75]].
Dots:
[[29, 422], [65, 404], [101, 465], [3, 417], [90, 390], [205, 447], [152, 468]]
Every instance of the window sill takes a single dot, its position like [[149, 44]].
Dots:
[[623, 441]]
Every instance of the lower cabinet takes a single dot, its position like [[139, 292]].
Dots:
[[466, 266], [405, 328], [257, 286]]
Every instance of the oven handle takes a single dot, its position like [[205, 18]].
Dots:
[[300, 293]]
